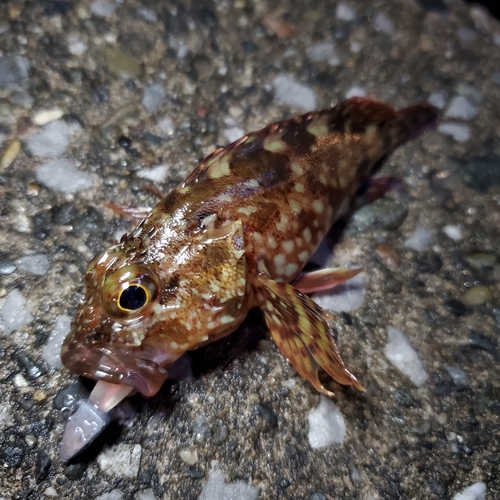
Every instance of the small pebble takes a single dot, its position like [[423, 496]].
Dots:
[[388, 255], [14, 72], [475, 492], [147, 14], [455, 307], [145, 495], [401, 354], [481, 341], [153, 97], [76, 45], [326, 425], [292, 93], [477, 296], [217, 488], [15, 312], [121, 460], [384, 213], [368, 320], [356, 91], [103, 8], [461, 108], [345, 12], [35, 264], [7, 267], [419, 239], [466, 34], [39, 395], [166, 125], [43, 464], [383, 23], [68, 396], [19, 381], [51, 353], [453, 232], [481, 260], [265, 412], [121, 63], [30, 441], [392, 285], [459, 131], [50, 492], [51, 141], [196, 472], [62, 175], [324, 52], [438, 99], [115, 494], [75, 471], [10, 154], [458, 375], [188, 456], [233, 133], [46, 116], [317, 496], [155, 174]]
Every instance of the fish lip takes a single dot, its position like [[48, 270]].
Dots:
[[126, 365]]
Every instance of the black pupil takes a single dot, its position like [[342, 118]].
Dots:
[[133, 297]]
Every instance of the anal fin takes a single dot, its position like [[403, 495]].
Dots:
[[324, 279], [301, 332]]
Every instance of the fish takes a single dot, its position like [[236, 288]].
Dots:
[[235, 235]]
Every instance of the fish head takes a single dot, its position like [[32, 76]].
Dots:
[[140, 315]]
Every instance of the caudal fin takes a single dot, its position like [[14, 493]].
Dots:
[[419, 118]]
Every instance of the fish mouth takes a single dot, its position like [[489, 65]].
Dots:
[[133, 366]]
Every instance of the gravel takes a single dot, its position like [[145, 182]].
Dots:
[[15, 312], [401, 354], [100, 98], [51, 141], [63, 175], [326, 425], [217, 489], [291, 93]]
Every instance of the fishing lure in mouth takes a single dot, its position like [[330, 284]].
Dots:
[[234, 235]]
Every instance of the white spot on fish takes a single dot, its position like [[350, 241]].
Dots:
[[295, 206], [304, 255], [291, 269], [318, 206], [296, 168], [279, 260], [288, 246]]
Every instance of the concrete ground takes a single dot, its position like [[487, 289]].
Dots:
[[99, 99]]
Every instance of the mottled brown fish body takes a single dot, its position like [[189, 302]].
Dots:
[[242, 225]]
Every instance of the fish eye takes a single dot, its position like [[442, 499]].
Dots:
[[130, 292], [133, 297]]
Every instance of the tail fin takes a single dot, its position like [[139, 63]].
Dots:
[[419, 118]]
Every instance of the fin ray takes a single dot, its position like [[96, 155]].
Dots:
[[324, 279]]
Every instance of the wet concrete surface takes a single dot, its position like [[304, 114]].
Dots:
[[123, 95]]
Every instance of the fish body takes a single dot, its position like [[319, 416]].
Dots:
[[233, 236]]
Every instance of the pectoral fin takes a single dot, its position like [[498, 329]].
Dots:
[[301, 332]]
